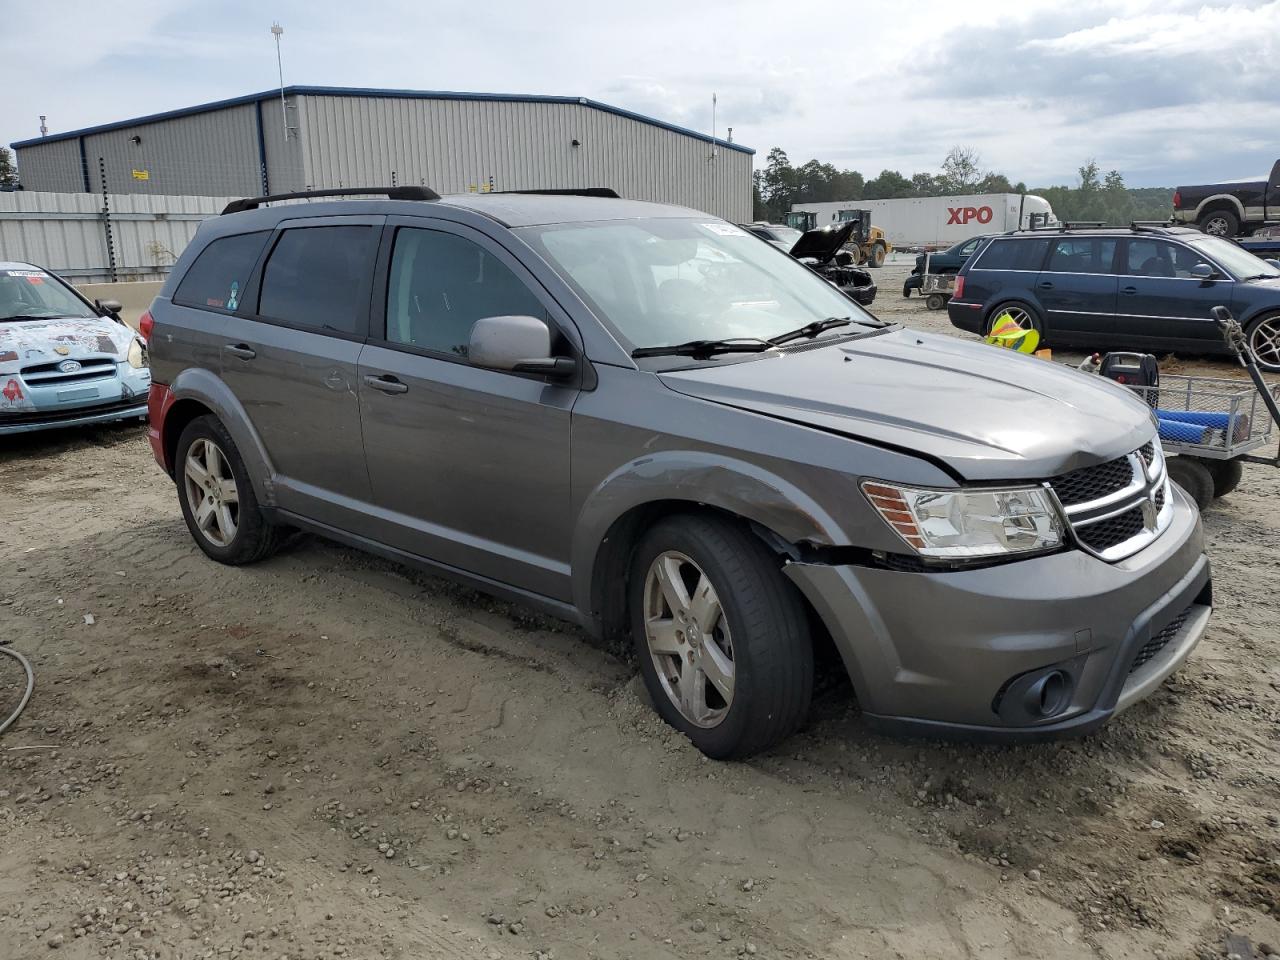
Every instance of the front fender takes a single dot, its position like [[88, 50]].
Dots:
[[697, 478], [207, 388]]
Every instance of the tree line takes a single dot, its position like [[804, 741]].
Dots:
[[1096, 196]]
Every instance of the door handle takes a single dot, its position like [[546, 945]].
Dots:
[[1046, 285], [1129, 291], [387, 384], [241, 350]]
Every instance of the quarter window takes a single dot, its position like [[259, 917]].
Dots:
[[441, 284], [217, 278], [1082, 255], [317, 278]]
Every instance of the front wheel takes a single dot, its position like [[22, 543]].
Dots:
[[721, 635], [1264, 341], [217, 497], [935, 301], [878, 253]]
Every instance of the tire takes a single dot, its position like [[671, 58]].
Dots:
[[935, 301], [1027, 311], [234, 531], [759, 640], [1194, 477], [1226, 475], [876, 258], [1219, 223], [1263, 339]]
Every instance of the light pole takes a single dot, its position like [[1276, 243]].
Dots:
[[276, 30]]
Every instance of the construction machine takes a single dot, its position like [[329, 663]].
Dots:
[[867, 241]]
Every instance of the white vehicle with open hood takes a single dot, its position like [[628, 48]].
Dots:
[[63, 360]]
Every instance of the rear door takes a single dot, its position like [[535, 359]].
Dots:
[[469, 467], [1161, 301], [291, 361], [1077, 288]]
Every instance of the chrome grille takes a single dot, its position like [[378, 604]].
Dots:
[[1118, 507], [1093, 483]]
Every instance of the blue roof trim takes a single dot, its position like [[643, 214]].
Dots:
[[376, 92]]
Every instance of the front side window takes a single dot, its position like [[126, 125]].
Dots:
[[316, 278], [661, 281], [219, 274], [441, 284], [27, 294], [1082, 255], [1159, 258]]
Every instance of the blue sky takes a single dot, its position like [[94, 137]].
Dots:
[[1168, 92]]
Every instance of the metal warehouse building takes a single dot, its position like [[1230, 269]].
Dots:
[[317, 137]]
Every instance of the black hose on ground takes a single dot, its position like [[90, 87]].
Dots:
[[31, 685]]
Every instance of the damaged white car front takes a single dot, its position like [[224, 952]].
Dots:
[[63, 360]]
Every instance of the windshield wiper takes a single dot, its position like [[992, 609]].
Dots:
[[31, 316], [703, 348], [809, 330]]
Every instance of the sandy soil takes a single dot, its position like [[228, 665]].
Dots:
[[330, 756]]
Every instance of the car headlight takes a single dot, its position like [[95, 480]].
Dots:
[[968, 524], [138, 355]]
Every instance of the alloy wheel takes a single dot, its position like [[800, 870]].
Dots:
[[211, 492], [1216, 226], [1019, 315], [688, 639], [1264, 342]]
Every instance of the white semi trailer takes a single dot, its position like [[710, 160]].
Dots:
[[938, 222]]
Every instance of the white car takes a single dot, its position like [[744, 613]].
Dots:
[[63, 360]]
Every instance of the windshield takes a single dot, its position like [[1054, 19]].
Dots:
[[32, 294], [657, 282], [1240, 263]]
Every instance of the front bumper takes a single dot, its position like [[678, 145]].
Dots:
[[864, 295], [82, 416], [935, 653]]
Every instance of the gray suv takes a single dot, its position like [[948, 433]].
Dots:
[[640, 418]]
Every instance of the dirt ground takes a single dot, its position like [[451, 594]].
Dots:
[[329, 756]]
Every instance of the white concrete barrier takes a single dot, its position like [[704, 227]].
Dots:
[[134, 297]]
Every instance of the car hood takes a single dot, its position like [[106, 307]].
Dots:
[[27, 342], [824, 243], [986, 413]]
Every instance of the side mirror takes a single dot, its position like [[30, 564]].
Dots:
[[1274, 263], [110, 307], [1202, 271], [518, 344]]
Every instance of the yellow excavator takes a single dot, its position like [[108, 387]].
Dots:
[[868, 241]]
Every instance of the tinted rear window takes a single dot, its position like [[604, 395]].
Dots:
[[218, 277], [1013, 254], [317, 278], [1082, 255]]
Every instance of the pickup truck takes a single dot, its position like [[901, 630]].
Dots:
[[1232, 208]]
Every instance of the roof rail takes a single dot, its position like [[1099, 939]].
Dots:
[[570, 192], [393, 193], [1149, 226], [1080, 224]]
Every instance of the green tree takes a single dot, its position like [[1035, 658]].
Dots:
[[889, 185], [8, 172], [961, 170]]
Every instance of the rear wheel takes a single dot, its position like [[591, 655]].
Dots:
[[1226, 475], [935, 301], [1022, 314], [1194, 477], [722, 637], [1220, 223], [217, 497]]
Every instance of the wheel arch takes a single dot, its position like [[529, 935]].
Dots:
[[1220, 201], [633, 499], [1022, 301], [197, 392]]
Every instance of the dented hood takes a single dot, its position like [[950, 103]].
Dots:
[[986, 413]]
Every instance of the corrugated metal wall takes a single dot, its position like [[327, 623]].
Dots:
[[460, 145], [66, 232], [453, 145]]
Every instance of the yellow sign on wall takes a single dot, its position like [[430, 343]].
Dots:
[[142, 174]]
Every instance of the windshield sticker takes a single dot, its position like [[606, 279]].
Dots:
[[24, 273], [36, 280], [724, 229]]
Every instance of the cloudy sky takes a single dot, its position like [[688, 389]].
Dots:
[[1165, 91]]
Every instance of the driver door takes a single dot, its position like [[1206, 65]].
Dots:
[[469, 467]]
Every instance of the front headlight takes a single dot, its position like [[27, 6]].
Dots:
[[137, 355], [968, 524]]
